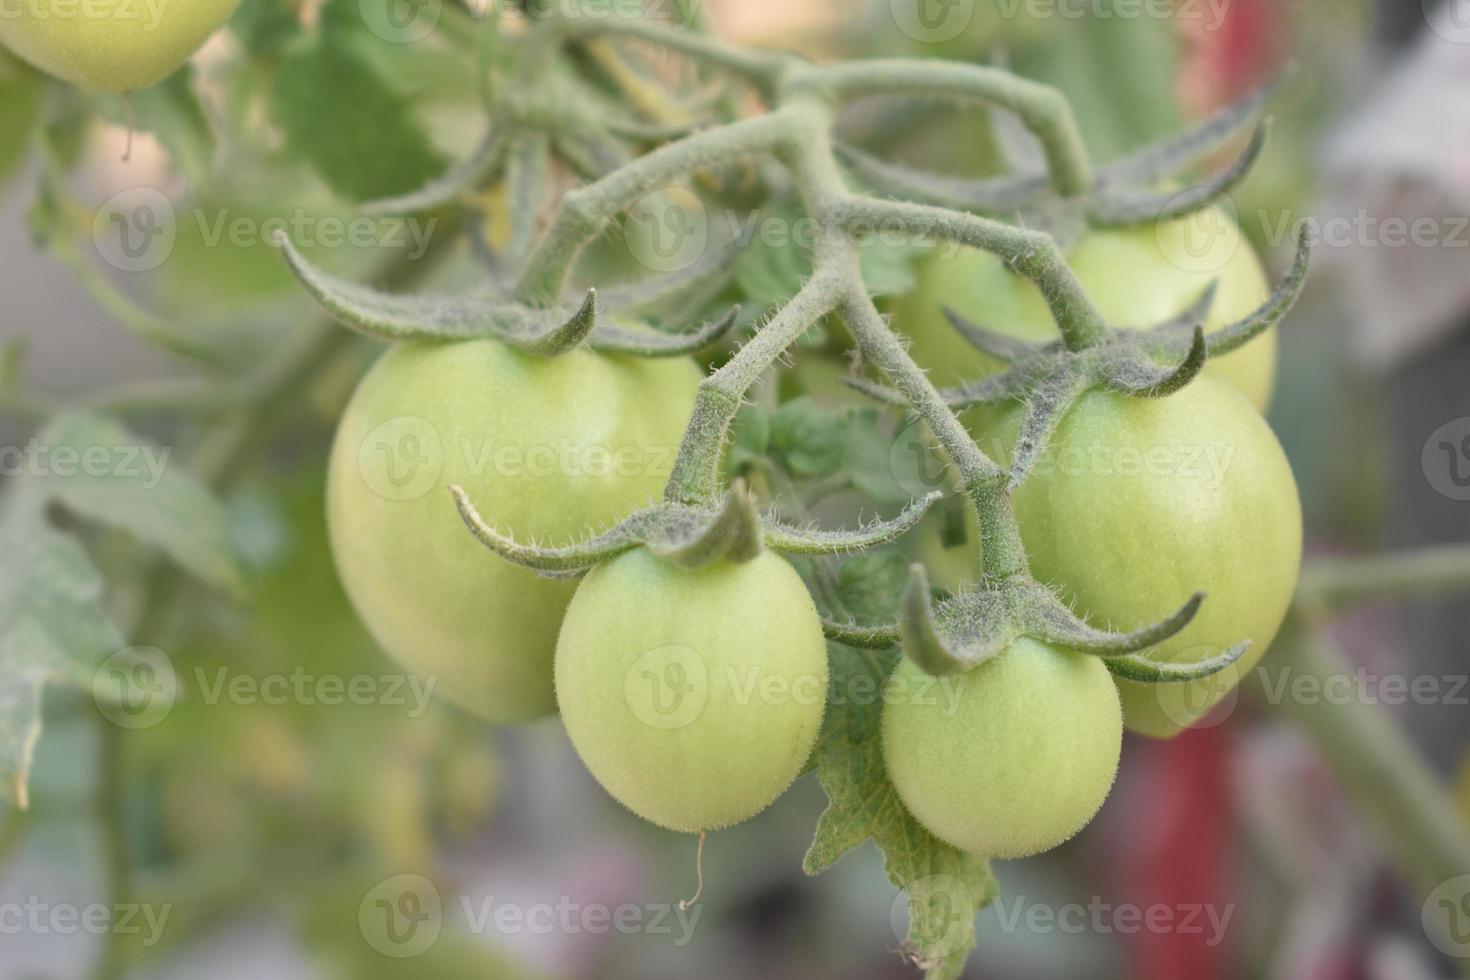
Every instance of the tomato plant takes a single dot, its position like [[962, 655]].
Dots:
[[630, 470], [553, 446], [693, 697], [1009, 759], [1138, 277], [111, 47]]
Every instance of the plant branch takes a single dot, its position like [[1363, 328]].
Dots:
[[1423, 572]]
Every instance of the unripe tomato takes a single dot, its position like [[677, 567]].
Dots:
[[111, 46], [1139, 503], [693, 697], [547, 448], [1137, 277], [1009, 759]]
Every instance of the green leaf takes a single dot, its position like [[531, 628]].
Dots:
[[264, 26], [888, 267], [750, 439], [53, 627], [348, 122], [103, 472], [21, 90], [809, 438], [945, 887], [870, 584]]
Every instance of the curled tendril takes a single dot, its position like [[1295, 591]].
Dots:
[[687, 535]]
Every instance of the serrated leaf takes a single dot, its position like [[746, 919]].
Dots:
[[111, 476], [945, 887], [53, 627], [357, 132]]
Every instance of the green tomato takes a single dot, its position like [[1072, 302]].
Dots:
[[1138, 503], [547, 448], [693, 697], [1137, 277], [111, 46], [1009, 759]]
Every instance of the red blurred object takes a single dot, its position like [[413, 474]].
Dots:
[[1230, 57], [1178, 831]]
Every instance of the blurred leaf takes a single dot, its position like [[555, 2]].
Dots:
[[115, 478], [53, 627], [359, 134], [945, 887], [870, 584], [264, 26], [809, 438], [750, 438], [20, 112]]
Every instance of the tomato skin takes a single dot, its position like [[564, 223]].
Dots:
[[531, 440], [1141, 502], [111, 51], [693, 697], [1137, 277], [1009, 759]]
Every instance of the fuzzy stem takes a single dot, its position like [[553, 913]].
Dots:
[[696, 475], [760, 67], [1043, 109], [1033, 254], [585, 212]]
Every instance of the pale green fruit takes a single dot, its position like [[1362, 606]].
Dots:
[[1009, 759], [548, 448], [111, 45], [693, 697]]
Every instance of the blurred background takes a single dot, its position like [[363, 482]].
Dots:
[[262, 829]]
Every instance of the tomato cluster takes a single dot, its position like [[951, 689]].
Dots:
[[695, 695]]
